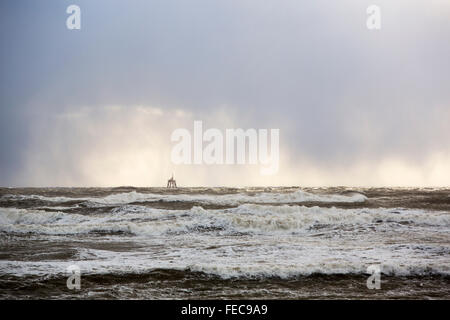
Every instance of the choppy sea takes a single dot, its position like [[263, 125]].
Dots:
[[231, 243]]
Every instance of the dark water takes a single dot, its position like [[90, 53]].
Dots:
[[274, 243]]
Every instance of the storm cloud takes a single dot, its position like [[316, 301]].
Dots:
[[96, 106]]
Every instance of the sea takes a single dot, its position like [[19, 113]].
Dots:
[[225, 243]]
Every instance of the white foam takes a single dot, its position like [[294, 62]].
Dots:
[[223, 199], [14, 216], [246, 218], [231, 260], [230, 199]]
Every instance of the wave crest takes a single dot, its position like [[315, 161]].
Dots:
[[220, 199]]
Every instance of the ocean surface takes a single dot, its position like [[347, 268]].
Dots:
[[230, 243]]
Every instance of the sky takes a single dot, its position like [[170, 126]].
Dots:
[[97, 106]]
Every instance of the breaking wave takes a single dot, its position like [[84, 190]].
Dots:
[[221, 199], [231, 266], [246, 218]]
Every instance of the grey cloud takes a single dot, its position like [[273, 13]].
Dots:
[[338, 92]]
